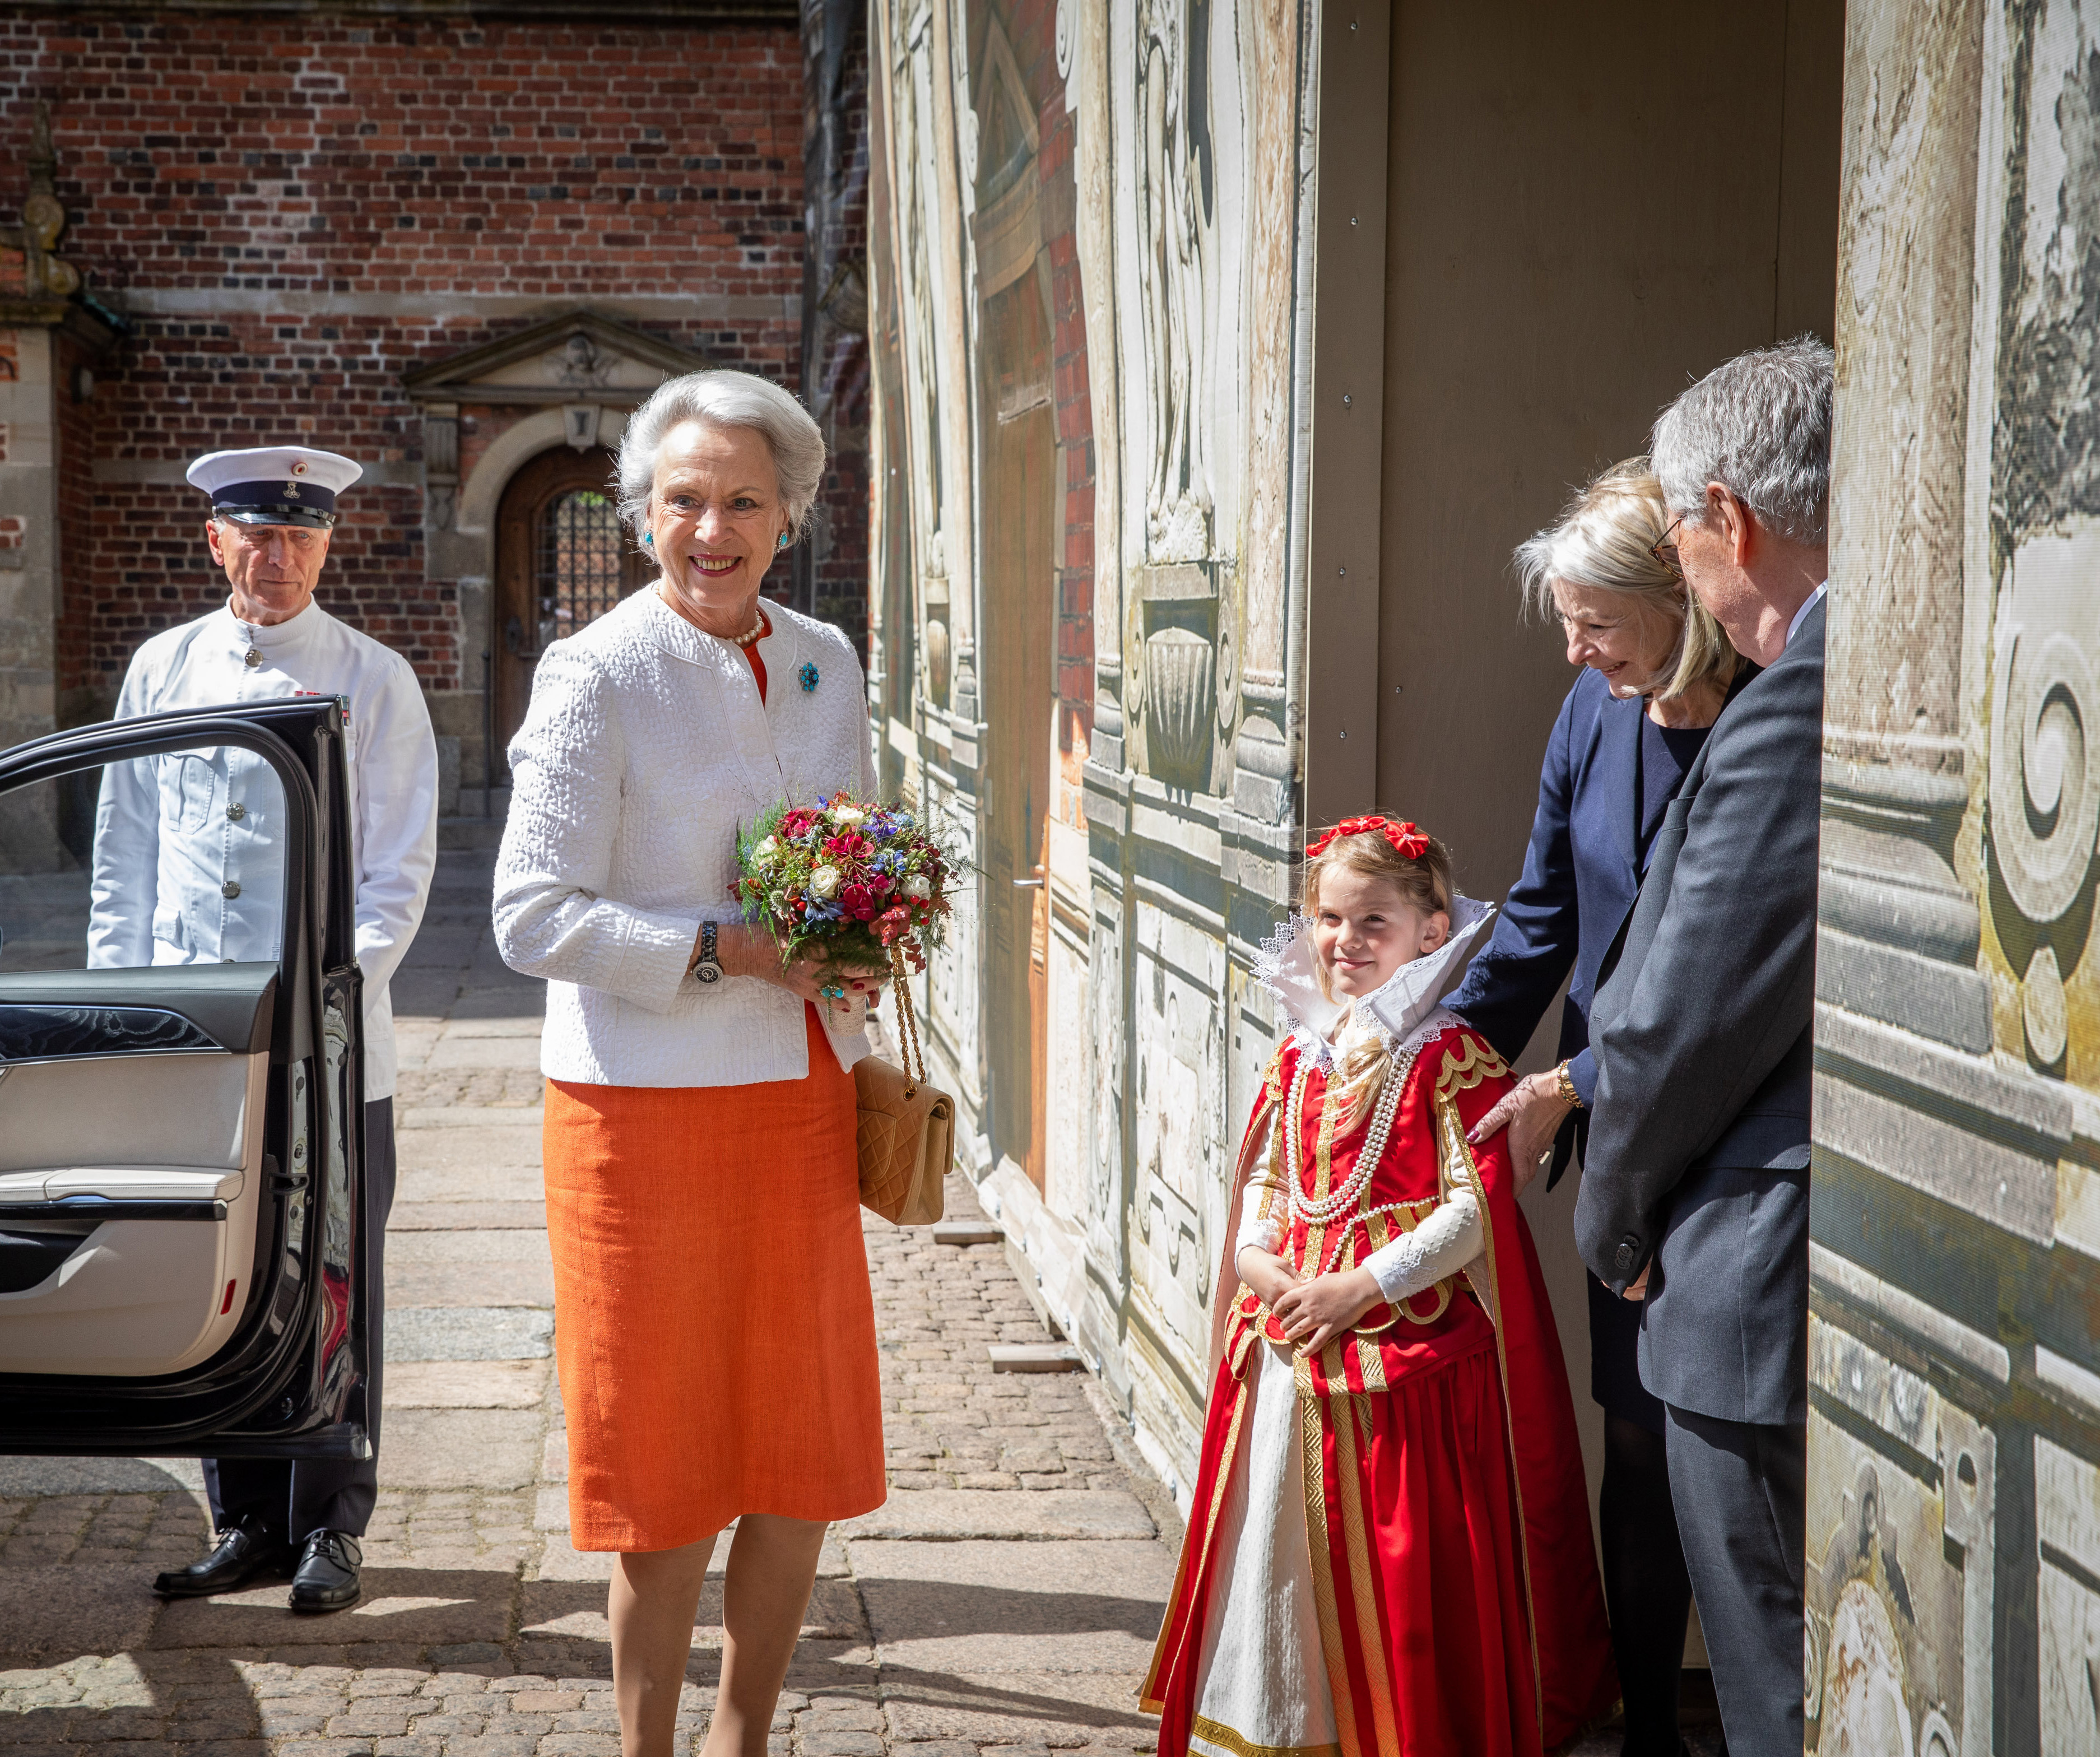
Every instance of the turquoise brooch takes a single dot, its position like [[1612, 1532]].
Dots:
[[807, 677]]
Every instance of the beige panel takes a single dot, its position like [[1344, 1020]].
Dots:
[[139, 1297], [1342, 565], [1610, 202], [143, 1109]]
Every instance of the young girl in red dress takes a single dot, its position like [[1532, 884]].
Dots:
[[1389, 1549]]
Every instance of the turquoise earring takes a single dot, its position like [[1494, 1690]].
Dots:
[[649, 538], [783, 543]]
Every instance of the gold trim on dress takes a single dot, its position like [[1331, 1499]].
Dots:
[[1319, 1557], [1345, 1412], [1215, 1732], [1458, 1156]]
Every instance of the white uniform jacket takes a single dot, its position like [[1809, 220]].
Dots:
[[644, 749], [189, 851]]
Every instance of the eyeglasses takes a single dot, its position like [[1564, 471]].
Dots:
[[1666, 552]]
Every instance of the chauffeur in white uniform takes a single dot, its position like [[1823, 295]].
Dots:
[[188, 868]]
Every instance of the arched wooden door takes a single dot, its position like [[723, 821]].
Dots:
[[563, 558]]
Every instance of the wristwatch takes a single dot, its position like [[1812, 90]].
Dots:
[[706, 968]]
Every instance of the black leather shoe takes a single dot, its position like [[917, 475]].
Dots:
[[247, 1549], [327, 1577]]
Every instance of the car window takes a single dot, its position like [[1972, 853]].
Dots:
[[174, 858]]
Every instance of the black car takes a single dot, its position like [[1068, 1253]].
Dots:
[[180, 1143]]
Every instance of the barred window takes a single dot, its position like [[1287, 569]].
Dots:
[[579, 561]]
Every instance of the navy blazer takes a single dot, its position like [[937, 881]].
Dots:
[[1581, 875]]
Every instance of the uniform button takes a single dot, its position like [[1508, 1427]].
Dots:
[[252, 659], [229, 888], [1624, 1259], [236, 811]]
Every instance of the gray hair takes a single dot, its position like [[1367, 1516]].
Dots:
[[723, 399], [1606, 539], [1760, 426]]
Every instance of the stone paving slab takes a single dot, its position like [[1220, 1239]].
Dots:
[[942, 1516], [476, 1284], [429, 1181], [978, 1607], [467, 1333], [528, 1214], [453, 1448], [466, 1385], [1056, 1709]]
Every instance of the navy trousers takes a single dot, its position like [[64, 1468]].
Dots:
[[297, 1496]]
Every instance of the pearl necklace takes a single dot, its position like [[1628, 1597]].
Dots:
[[1338, 1202], [753, 633]]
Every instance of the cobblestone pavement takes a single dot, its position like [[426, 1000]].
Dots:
[[1003, 1601], [1005, 1598]]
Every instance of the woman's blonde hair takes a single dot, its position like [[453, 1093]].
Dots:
[[1605, 540], [1423, 880]]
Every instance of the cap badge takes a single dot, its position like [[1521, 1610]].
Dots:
[[300, 466], [291, 490]]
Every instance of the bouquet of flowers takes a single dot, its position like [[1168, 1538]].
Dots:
[[856, 883]]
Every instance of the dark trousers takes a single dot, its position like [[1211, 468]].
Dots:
[[1739, 1489], [296, 1496], [1646, 1588]]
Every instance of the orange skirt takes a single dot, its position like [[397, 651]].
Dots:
[[714, 1327]]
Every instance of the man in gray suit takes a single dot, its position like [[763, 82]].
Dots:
[[1695, 1188]]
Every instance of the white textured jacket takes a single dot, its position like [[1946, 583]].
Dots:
[[644, 748], [189, 849]]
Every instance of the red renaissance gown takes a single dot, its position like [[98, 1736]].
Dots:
[[1389, 1550]]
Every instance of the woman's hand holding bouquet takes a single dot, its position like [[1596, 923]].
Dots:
[[839, 896]]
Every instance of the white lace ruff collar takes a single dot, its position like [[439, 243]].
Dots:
[[1407, 1001]]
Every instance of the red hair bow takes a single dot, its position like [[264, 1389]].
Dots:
[[1408, 841]]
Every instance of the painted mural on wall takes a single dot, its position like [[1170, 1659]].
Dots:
[[1954, 1507], [1088, 246]]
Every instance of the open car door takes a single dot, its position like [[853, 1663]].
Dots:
[[181, 1089]]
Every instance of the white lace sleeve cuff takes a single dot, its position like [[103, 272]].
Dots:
[[1442, 1245]]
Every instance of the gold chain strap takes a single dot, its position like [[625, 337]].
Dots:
[[908, 1036]]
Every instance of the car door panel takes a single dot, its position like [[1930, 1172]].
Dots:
[[158, 1280], [180, 1142]]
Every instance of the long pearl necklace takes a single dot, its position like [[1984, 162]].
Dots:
[[1340, 1201]]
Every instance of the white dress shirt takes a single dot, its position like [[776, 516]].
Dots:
[[189, 849], [1809, 603], [644, 748]]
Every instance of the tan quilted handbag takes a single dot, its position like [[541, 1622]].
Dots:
[[907, 1129]]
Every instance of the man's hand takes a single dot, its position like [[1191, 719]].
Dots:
[[1532, 1110], [1268, 1275], [1315, 1312], [1637, 1288]]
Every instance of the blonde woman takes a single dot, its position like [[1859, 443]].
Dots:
[[1657, 673]]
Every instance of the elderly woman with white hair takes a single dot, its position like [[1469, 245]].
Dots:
[[1657, 670], [714, 1325]]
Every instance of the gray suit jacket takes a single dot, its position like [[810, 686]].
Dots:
[[1698, 1153]]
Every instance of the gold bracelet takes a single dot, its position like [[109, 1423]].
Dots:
[[1565, 1088]]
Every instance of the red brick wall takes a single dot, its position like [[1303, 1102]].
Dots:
[[75, 453], [336, 199]]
